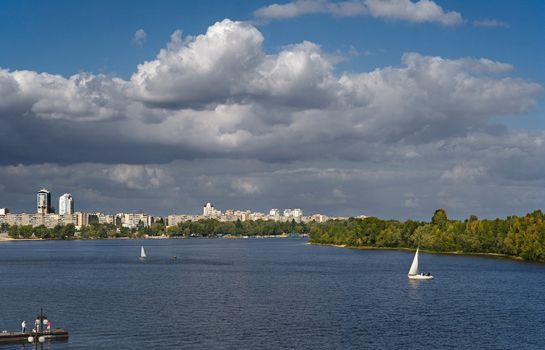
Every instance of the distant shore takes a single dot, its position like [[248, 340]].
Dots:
[[5, 238], [485, 255]]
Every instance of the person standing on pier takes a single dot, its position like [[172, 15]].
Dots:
[[23, 326]]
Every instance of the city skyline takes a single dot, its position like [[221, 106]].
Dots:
[[384, 108], [45, 215], [67, 207]]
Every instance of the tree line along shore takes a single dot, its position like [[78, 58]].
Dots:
[[200, 228], [518, 237], [521, 237]]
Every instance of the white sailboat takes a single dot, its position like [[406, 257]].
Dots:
[[413, 271], [143, 255]]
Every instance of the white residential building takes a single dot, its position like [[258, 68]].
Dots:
[[66, 204], [133, 220], [293, 213], [209, 210]]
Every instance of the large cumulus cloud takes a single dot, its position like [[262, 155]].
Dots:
[[228, 65], [218, 102]]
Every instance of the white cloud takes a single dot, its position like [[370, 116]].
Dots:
[[340, 194], [83, 96], [419, 12], [490, 23], [227, 64], [410, 201], [406, 10], [206, 69], [303, 7], [246, 186], [138, 177], [139, 37], [463, 173]]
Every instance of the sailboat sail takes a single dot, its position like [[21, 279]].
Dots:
[[142, 253], [414, 266]]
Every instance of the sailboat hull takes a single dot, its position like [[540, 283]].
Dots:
[[420, 277]]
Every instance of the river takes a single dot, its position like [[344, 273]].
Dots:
[[267, 294]]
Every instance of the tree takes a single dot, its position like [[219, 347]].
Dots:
[[25, 231], [68, 231], [238, 227], [13, 231], [42, 232], [439, 217]]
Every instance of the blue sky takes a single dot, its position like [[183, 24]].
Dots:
[[67, 37], [472, 149]]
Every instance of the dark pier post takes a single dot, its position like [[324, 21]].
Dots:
[[41, 319]]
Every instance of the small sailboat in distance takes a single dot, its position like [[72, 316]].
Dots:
[[413, 271], [143, 255]]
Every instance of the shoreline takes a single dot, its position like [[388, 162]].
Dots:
[[9, 239], [460, 253]]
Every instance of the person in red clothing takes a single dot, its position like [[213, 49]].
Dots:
[[49, 326]]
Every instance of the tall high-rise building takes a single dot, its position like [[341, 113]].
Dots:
[[44, 201], [66, 204]]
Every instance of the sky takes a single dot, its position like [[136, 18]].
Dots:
[[388, 108]]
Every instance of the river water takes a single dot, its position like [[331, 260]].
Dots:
[[267, 294]]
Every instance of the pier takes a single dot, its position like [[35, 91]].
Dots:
[[18, 337], [39, 334]]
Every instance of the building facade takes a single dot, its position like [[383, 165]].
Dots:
[[66, 204], [209, 210], [43, 201], [134, 220]]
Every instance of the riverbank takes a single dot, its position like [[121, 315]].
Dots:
[[284, 236], [484, 255], [5, 238]]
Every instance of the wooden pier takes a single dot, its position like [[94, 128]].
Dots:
[[18, 337]]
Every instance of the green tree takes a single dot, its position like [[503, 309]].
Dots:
[[439, 217], [13, 231], [25, 231]]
